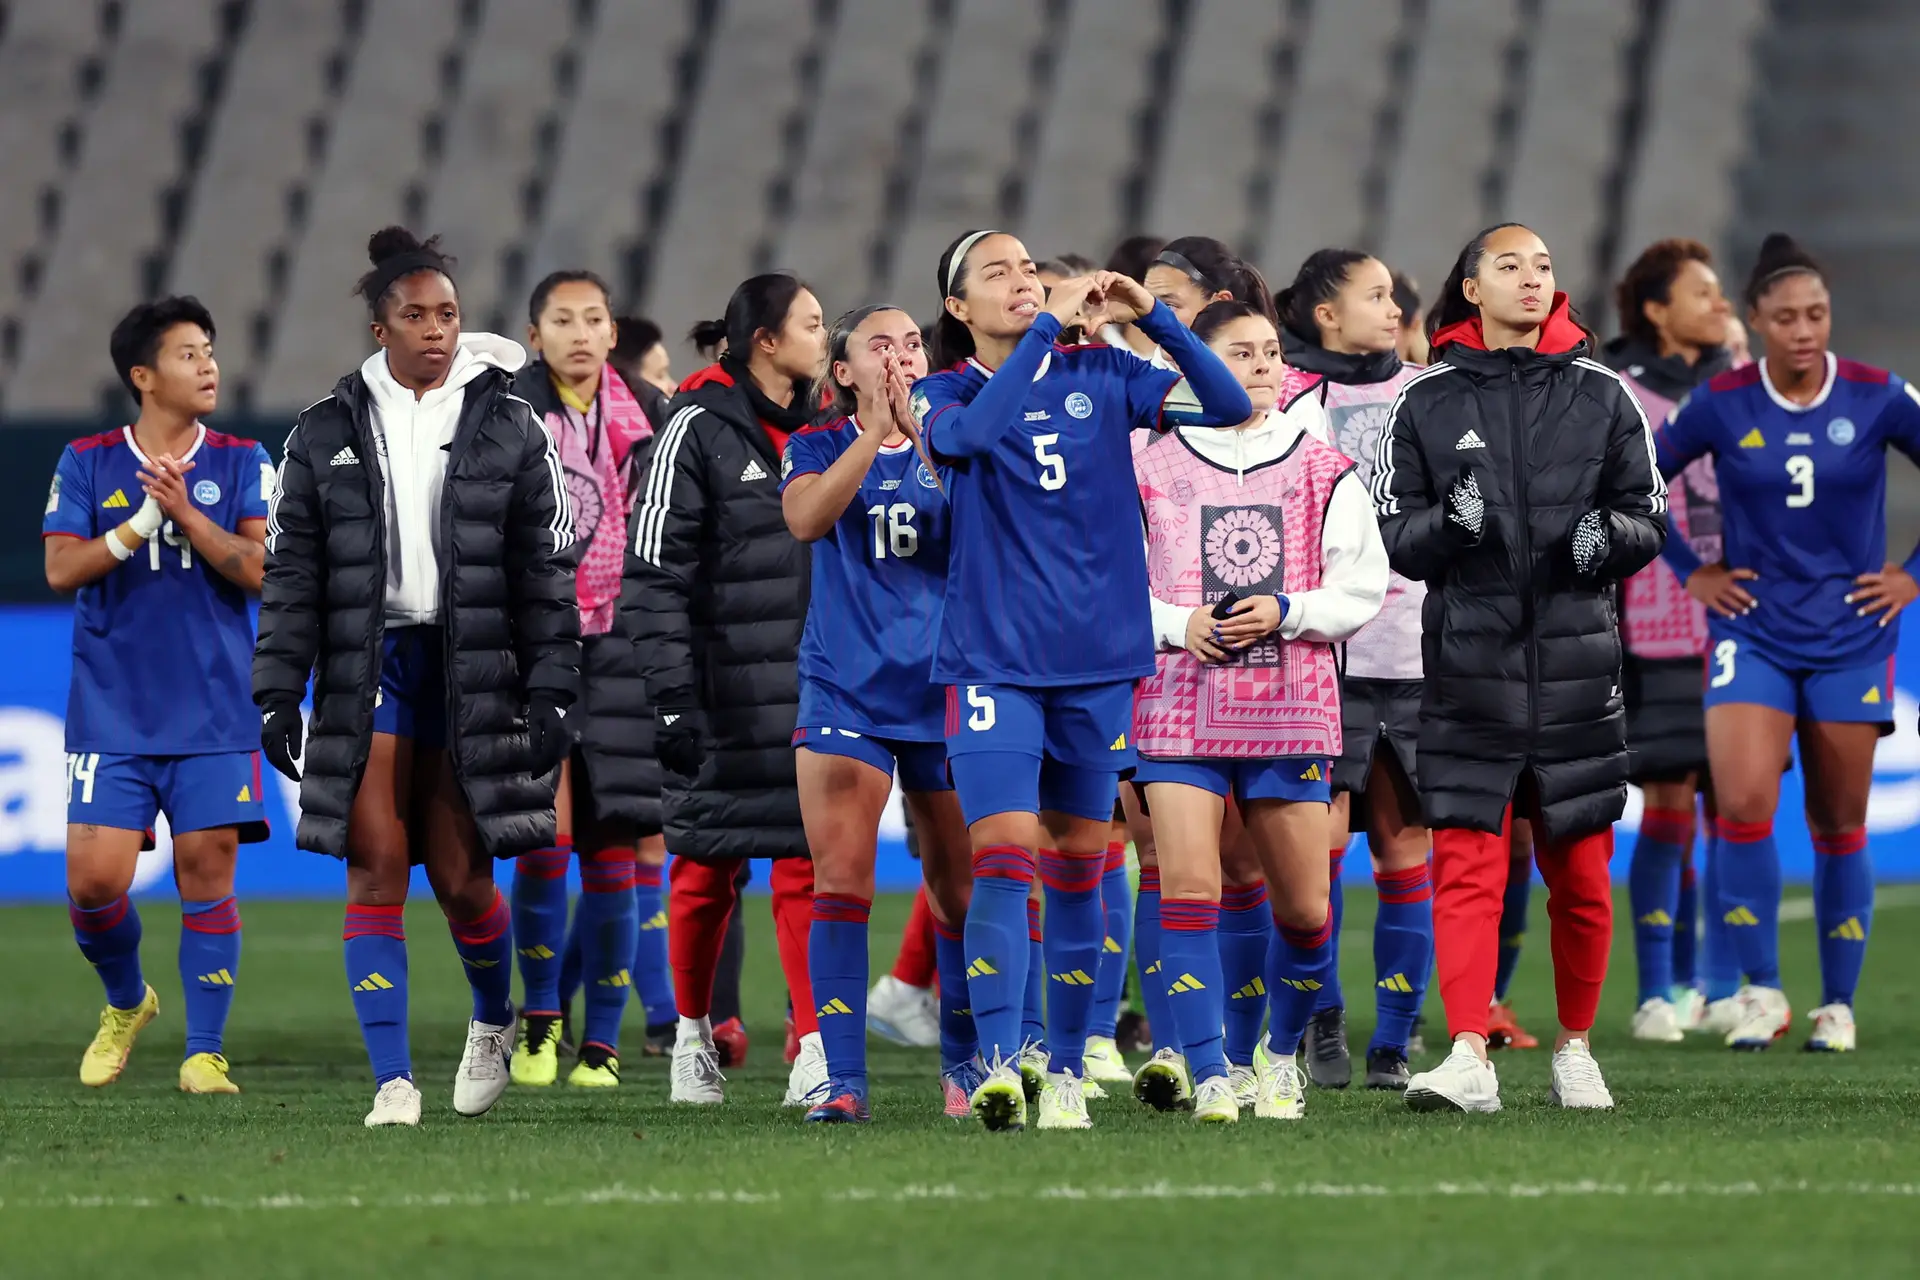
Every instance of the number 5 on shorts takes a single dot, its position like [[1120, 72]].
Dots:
[[983, 714]]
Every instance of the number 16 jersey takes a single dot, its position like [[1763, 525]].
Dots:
[[878, 577]]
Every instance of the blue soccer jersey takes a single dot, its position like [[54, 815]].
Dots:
[[1803, 492], [878, 576], [162, 645]]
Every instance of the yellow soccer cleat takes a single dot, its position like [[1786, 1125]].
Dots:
[[1000, 1101], [206, 1073], [1214, 1103], [107, 1056], [586, 1075], [536, 1059]]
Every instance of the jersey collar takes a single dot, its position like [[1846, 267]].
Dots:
[[1046, 362], [1826, 388], [888, 449], [199, 438]]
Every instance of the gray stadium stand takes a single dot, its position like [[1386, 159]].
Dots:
[[110, 217]]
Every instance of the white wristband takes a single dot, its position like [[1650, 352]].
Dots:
[[147, 520], [120, 550]]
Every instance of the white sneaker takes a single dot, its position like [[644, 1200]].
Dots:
[[905, 1015], [1063, 1103], [1214, 1103], [1164, 1083], [398, 1102], [807, 1083], [1462, 1082], [1657, 1020], [1832, 1029], [1689, 1008], [1104, 1063], [1577, 1083], [1721, 1016], [484, 1067], [1245, 1083], [1282, 1093], [1765, 1016], [695, 1068]]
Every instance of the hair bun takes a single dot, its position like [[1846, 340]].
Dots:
[[708, 333], [1781, 250], [391, 242]]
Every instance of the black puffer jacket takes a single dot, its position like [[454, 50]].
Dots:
[[1522, 653], [506, 592], [616, 729], [715, 600]]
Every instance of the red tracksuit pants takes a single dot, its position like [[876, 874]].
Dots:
[[1469, 878], [703, 898]]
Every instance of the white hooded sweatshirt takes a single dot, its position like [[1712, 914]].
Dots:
[[412, 438], [1353, 577]]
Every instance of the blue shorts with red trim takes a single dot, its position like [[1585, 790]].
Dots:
[[1740, 673], [196, 793], [922, 766], [1083, 725]]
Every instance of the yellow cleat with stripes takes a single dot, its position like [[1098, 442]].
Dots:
[[206, 1073], [112, 1045], [536, 1059]]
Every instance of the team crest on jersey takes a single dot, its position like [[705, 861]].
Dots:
[[1079, 405], [206, 493], [926, 477], [1840, 431]]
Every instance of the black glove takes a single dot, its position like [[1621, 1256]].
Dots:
[[1465, 507], [677, 741], [547, 732], [280, 736], [1590, 543]]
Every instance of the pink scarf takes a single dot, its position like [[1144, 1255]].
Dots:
[[593, 448]]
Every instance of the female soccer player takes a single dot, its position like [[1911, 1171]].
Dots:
[[1805, 622], [1673, 319], [715, 603], [1515, 478], [1194, 272], [860, 491], [1262, 554], [1341, 323], [420, 562], [608, 797], [1040, 706]]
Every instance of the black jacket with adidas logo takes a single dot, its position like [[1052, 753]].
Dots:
[[715, 600], [1522, 652]]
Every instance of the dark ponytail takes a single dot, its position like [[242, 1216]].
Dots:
[[1216, 316], [1320, 279], [760, 303], [1780, 256], [397, 253], [836, 399], [1215, 268], [1452, 306]]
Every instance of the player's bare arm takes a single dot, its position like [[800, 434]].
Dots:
[[238, 555], [72, 563]]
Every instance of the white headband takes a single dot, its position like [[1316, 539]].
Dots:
[[958, 261]]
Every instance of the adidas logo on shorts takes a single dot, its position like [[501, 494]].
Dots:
[[345, 458]]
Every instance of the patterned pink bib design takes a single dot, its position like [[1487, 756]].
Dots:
[[1658, 618]]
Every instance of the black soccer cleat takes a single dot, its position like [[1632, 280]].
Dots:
[[1329, 1065], [1387, 1068]]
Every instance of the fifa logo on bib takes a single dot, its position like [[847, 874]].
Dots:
[[1243, 546], [1079, 405]]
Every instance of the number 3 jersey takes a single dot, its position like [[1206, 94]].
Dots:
[[162, 645], [878, 578], [1803, 494]]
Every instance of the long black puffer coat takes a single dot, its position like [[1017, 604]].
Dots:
[[715, 601], [507, 604], [1522, 653]]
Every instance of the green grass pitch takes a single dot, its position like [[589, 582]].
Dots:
[[1782, 1163]]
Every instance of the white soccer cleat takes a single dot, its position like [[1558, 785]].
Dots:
[[1720, 1016], [1657, 1020], [1063, 1103], [398, 1102], [905, 1015], [1832, 1029], [1765, 1016], [1462, 1082], [1214, 1103], [1282, 1094], [485, 1067], [695, 1068], [1104, 1063], [1245, 1083], [1689, 1008], [807, 1083], [1577, 1084]]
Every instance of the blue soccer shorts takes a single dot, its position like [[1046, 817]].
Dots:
[[1292, 778], [411, 701], [922, 766], [1738, 673], [197, 793], [1058, 750]]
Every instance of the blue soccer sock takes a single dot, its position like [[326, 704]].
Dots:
[[1146, 950], [209, 966], [1330, 995], [540, 925], [1842, 911], [1190, 960], [1513, 922], [109, 937], [376, 952], [1298, 966], [996, 946], [1719, 958], [609, 928], [1245, 932], [837, 971], [1686, 926], [1033, 1016], [1402, 953], [1116, 908], [486, 951], [1076, 929], [572, 964], [958, 1039], [652, 980], [1653, 889], [1750, 897]]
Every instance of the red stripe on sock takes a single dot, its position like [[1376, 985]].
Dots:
[[1005, 862], [837, 908], [1305, 939], [1336, 862], [1033, 921], [1841, 842], [1414, 884], [1071, 872], [375, 922], [1188, 915], [475, 933], [645, 876], [1243, 897], [1116, 856], [609, 871], [951, 935], [544, 864], [1745, 832], [1668, 826], [1150, 879], [222, 917], [98, 919]]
